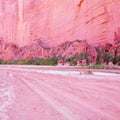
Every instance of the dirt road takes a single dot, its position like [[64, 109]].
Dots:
[[58, 93]]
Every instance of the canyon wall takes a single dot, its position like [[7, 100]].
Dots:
[[55, 21]]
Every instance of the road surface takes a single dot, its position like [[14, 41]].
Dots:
[[58, 93]]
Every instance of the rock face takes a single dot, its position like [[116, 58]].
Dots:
[[68, 53], [115, 50], [10, 51], [82, 29], [75, 49], [56, 21]]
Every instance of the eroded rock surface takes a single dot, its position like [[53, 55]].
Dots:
[[55, 21], [79, 52]]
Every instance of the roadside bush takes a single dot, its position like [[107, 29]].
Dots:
[[83, 56], [1, 61], [116, 59], [107, 57], [99, 66], [71, 60], [24, 62], [36, 61], [99, 56], [73, 63]]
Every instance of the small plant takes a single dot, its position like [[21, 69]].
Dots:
[[71, 60], [42, 61], [99, 66], [73, 63], [1, 61], [83, 56], [36, 61], [98, 61], [116, 59], [107, 57], [24, 62]]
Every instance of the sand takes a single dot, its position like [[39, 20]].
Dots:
[[58, 93]]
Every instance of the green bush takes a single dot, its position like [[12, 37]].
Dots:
[[116, 59], [73, 63], [24, 62], [36, 61], [98, 61], [99, 66], [83, 56], [1, 61], [71, 60], [107, 57]]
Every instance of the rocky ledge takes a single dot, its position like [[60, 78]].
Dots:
[[68, 53]]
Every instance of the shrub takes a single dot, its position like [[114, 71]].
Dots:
[[36, 61], [107, 57], [1, 61], [98, 66], [24, 62], [98, 61], [73, 63], [84, 56], [116, 59], [71, 60]]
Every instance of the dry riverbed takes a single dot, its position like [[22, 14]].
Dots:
[[58, 93]]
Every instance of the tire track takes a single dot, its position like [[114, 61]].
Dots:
[[57, 106], [49, 89], [64, 95]]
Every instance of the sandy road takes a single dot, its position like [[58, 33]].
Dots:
[[58, 93]]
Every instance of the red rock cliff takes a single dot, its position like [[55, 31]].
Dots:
[[55, 21]]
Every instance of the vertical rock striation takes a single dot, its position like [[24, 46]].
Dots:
[[56, 21]]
